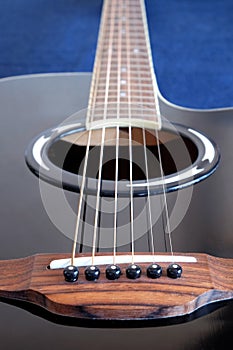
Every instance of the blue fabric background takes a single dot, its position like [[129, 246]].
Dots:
[[192, 44]]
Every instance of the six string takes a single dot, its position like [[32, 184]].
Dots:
[[106, 99], [81, 199], [147, 174], [110, 50], [117, 146], [156, 130], [130, 145], [90, 111], [164, 196]]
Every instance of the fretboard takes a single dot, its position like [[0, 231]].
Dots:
[[123, 86]]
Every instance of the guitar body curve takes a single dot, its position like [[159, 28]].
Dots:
[[28, 106]]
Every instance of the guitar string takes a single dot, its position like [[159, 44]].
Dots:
[[148, 196], [131, 189], [117, 142], [96, 220], [148, 200], [116, 196], [164, 195], [110, 50], [130, 141], [98, 233], [81, 199], [90, 112], [158, 115], [83, 225], [164, 226]]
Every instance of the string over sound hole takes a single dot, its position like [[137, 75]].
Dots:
[[177, 154], [183, 150]]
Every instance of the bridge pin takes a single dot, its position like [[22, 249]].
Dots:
[[154, 271], [92, 273], [133, 271], [71, 273], [113, 272], [174, 271]]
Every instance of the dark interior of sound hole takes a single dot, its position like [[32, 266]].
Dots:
[[177, 153]]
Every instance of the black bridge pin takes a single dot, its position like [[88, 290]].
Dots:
[[174, 271], [113, 272], [133, 271], [154, 271], [71, 273], [92, 273]]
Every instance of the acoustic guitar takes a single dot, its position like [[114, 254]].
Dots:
[[124, 186]]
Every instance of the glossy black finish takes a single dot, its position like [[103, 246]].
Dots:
[[92, 273], [154, 271], [174, 271], [26, 228], [133, 271], [71, 273], [113, 272]]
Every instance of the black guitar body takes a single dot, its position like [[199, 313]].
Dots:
[[29, 105]]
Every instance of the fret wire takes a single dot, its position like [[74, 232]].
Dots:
[[114, 111], [99, 112], [125, 51], [114, 58], [133, 65], [134, 84], [143, 78], [133, 35], [124, 99], [132, 59], [118, 20], [143, 67], [132, 27], [134, 77], [123, 18], [112, 93], [123, 96], [132, 44], [114, 105], [128, 19]]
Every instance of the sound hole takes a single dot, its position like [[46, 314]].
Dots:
[[177, 152]]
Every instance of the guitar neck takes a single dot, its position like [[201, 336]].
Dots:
[[124, 84]]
